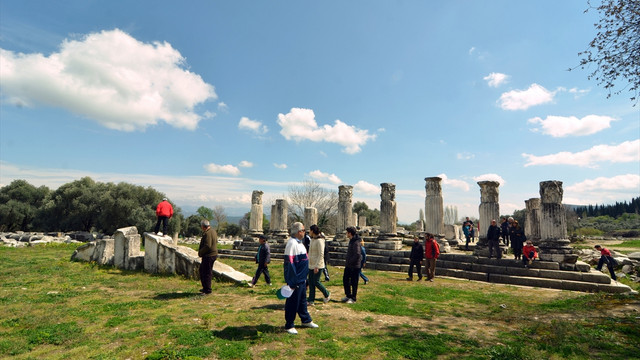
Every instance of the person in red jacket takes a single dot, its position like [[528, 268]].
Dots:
[[528, 253], [164, 212], [606, 258], [431, 253]]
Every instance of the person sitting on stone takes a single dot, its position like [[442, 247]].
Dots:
[[606, 258], [529, 253]]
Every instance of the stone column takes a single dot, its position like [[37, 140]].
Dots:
[[554, 245], [388, 210], [532, 220], [345, 209], [434, 212], [281, 210], [310, 217], [434, 207], [354, 219], [255, 219], [362, 221], [489, 209]]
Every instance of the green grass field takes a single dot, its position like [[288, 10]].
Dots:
[[53, 308]]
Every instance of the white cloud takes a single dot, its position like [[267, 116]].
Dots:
[[524, 99], [627, 151], [300, 124], [460, 184], [496, 79], [223, 107], [280, 166], [619, 182], [365, 187], [562, 126], [252, 125], [109, 77], [317, 174], [465, 156], [222, 169], [246, 164], [490, 177], [473, 48]]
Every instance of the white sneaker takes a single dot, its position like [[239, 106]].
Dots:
[[310, 325], [326, 300], [350, 301], [292, 331], [345, 299], [160, 233]]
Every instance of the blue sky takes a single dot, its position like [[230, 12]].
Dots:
[[207, 101]]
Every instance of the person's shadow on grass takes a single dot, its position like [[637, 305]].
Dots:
[[173, 295]]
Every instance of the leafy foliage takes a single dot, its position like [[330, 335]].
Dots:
[[362, 209], [615, 50], [19, 204]]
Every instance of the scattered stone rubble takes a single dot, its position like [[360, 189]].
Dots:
[[21, 239]]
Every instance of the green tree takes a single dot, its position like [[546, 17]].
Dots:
[[205, 212], [19, 205], [73, 206], [615, 50], [362, 209], [191, 226]]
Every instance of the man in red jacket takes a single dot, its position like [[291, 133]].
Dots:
[[431, 253], [164, 212]]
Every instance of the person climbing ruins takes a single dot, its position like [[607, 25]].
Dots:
[[164, 212], [606, 258]]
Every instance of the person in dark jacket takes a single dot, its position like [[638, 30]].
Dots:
[[208, 251], [506, 230], [415, 258], [493, 238], [517, 239], [606, 258], [352, 266], [263, 258]]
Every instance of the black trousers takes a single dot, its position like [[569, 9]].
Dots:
[[206, 273], [415, 263], [350, 282], [165, 224], [262, 269]]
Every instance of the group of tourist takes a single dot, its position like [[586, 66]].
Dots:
[[512, 234]]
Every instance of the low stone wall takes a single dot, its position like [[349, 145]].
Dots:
[[161, 256]]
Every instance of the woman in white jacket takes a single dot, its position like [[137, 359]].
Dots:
[[316, 264]]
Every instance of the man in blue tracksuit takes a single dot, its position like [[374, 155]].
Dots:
[[296, 269]]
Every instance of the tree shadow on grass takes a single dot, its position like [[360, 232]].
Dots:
[[174, 295], [277, 306], [247, 332]]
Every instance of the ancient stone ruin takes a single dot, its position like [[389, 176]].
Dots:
[[161, 256]]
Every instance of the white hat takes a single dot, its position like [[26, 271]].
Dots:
[[284, 292]]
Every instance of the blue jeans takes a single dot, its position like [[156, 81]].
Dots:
[[296, 303]]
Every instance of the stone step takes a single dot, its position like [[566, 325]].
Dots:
[[612, 287]]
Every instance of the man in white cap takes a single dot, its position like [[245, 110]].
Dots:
[[296, 269]]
